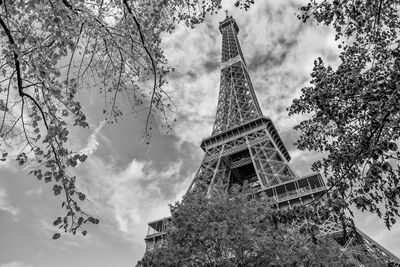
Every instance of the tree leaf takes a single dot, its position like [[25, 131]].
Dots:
[[56, 236]]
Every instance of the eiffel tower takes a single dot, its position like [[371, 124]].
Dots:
[[245, 146]]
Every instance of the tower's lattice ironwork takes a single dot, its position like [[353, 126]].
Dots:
[[245, 146], [237, 102]]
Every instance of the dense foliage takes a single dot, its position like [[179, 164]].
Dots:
[[52, 49], [354, 111], [233, 230]]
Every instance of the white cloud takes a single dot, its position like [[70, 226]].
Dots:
[[127, 199], [93, 143], [5, 205], [35, 191], [16, 264], [196, 90], [137, 194]]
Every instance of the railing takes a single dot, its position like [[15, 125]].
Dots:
[[296, 193], [240, 162]]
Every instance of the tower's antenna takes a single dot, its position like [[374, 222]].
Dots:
[[227, 13]]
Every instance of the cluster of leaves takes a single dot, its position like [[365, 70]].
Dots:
[[235, 230], [52, 49], [354, 109], [244, 4]]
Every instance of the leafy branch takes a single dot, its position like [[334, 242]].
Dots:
[[356, 105]]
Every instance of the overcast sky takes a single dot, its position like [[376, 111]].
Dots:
[[128, 183]]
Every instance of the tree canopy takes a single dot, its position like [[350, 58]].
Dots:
[[53, 49], [235, 230], [353, 109]]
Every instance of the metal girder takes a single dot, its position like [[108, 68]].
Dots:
[[360, 248], [257, 149]]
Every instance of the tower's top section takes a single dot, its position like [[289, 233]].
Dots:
[[237, 102], [230, 44], [227, 22]]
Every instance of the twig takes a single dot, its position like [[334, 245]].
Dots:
[[8, 94], [72, 56]]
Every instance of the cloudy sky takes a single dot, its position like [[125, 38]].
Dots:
[[129, 183]]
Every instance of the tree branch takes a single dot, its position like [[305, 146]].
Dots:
[[22, 94], [152, 64]]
